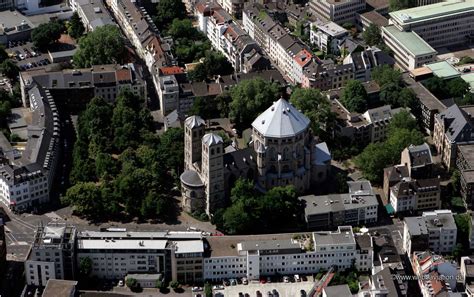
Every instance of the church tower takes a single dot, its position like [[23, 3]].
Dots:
[[194, 127], [212, 172]]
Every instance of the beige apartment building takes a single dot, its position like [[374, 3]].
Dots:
[[338, 11]]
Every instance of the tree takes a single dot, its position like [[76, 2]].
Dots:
[[75, 26], [385, 74], [401, 4], [190, 44], [315, 106], [175, 285], [132, 284], [207, 290], [85, 199], [354, 97], [46, 34], [167, 11], [465, 60], [250, 98], [160, 284], [373, 159], [372, 35], [9, 69], [402, 120], [213, 64], [85, 266], [456, 181], [437, 86], [457, 87], [206, 107], [104, 45], [3, 54]]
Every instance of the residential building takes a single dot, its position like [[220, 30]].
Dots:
[[63, 288], [410, 195], [282, 152], [441, 24], [327, 77], [233, 7], [387, 282], [3, 248], [434, 230], [429, 104], [337, 11], [418, 160], [409, 49], [327, 36], [453, 126], [93, 14], [385, 252], [436, 276], [51, 255], [225, 35], [116, 253], [369, 127], [76, 87], [267, 255], [366, 60], [26, 176], [465, 165], [393, 175], [467, 275], [372, 17], [14, 26], [358, 207]]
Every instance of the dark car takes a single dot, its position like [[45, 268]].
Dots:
[[302, 293], [275, 293], [259, 294]]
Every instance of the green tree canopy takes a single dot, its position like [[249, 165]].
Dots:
[[250, 98], [371, 35], [3, 54], [167, 11], [354, 96], [385, 75], [75, 26], [104, 45], [315, 106], [402, 120], [213, 64], [85, 199], [46, 34], [9, 69]]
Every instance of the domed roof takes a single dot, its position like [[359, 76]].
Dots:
[[191, 178], [211, 139], [282, 119], [194, 122]]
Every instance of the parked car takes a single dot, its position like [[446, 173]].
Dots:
[[286, 279], [275, 293], [245, 281], [120, 283], [302, 293], [226, 283], [297, 278], [259, 294], [196, 289], [233, 282]]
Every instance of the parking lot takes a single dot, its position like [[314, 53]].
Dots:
[[26, 55]]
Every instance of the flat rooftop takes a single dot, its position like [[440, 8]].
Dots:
[[467, 151], [411, 41], [469, 78], [432, 11], [343, 235], [443, 69], [57, 287], [106, 244]]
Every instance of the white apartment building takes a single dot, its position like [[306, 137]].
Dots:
[[379, 118], [409, 49], [225, 35], [92, 13], [168, 93], [51, 255], [434, 230], [327, 36], [237, 256], [338, 11], [441, 24], [114, 254]]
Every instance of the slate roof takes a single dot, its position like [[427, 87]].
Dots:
[[280, 120], [456, 121]]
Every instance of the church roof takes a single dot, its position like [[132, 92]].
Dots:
[[211, 139], [282, 119], [191, 178], [194, 122]]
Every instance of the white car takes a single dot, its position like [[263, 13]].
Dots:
[[286, 279], [245, 281], [196, 289], [120, 283], [21, 56]]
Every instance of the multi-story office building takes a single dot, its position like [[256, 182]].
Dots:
[[434, 230], [441, 24], [337, 11], [6, 4], [409, 49], [114, 254], [358, 207], [92, 13], [256, 256], [14, 26], [51, 255], [453, 126]]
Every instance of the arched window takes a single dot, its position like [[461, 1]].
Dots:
[[271, 154]]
